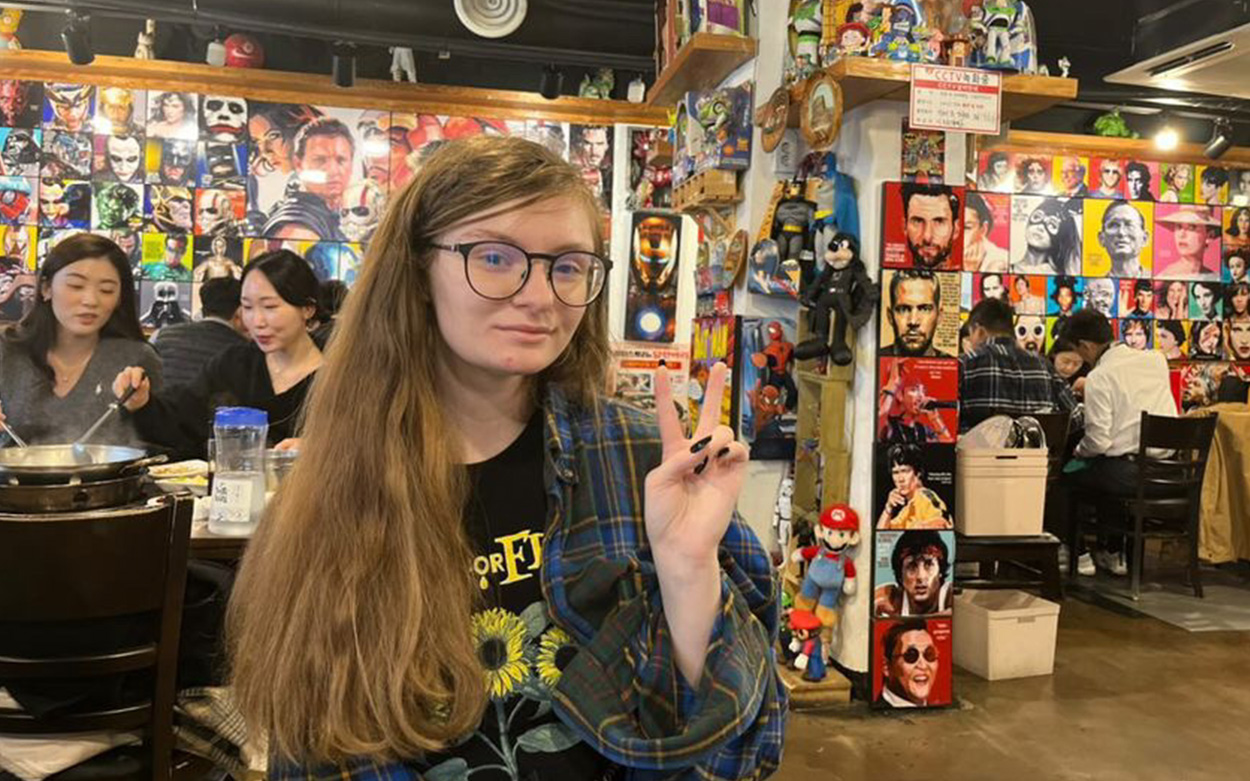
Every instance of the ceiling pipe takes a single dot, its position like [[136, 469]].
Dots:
[[393, 23]]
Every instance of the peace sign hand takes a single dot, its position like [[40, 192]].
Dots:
[[691, 495]]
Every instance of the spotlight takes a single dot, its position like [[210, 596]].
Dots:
[[77, 38], [1166, 137], [552, 81], [1221, 139], [343, 67]]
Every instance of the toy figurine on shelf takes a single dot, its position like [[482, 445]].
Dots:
[[599, 86], [843, 293], [10, 18], [1065, 65], [853, 39], [805, 28], [958, 51], [896, 42], [403, 64], [1000, 15], [792, 224], [775, 363], [783, 515], [809, 656], [145, 45], [830, 570], [1024, 40]]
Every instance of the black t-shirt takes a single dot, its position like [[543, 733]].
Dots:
[[520, 648]]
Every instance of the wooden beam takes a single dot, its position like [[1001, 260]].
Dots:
[[286, 87]]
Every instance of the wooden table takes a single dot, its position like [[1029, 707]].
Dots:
[[1225, 519], [215, 547]]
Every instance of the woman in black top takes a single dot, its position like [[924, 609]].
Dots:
[[273, 372]]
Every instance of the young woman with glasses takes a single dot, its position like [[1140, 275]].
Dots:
[[479, 565]]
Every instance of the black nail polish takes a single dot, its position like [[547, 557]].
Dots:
[[698, 470], [702, 443], [723, 452]]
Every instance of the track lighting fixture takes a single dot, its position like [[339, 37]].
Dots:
[[343, 66], [552, 82], [77, 38], [1221, 139]]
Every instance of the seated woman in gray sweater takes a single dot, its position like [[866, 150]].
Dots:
[[57, 365]]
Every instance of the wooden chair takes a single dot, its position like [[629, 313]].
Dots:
[[58, 570], [1168, 499]]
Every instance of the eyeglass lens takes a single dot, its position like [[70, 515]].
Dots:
[[912, 654], [500, 270]]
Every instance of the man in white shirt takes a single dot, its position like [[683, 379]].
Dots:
[[1123, 383]]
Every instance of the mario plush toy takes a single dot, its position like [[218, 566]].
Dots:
[[830, 571]]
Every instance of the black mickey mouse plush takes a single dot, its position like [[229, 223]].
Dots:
[[843, 292]]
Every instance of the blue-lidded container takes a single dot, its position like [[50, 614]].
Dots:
[[239, 480]]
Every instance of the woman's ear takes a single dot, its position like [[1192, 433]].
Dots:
[[45, 291], [310, 312]]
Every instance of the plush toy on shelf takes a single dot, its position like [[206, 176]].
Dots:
[[791, 229], [843, 294], [599, 86], [830, 570], [805, 644]]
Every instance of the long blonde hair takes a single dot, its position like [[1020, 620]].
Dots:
[[349, 625]]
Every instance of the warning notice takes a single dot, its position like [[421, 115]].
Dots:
[[959, 100]]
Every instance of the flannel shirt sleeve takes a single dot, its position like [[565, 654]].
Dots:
[[351, 770]]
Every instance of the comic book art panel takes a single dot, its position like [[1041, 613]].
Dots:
[[994, 174], [987, 232], [19, 200], [1071, 176], [68, 107], [1239, 187], [1030, 333], [1117, 238], [351, 255], [169, 209], [1101, 293], [19, 243], [120, 111], [1028, 294], [1142, 179], [1138, 334], [272, 128], [223, 119], [119, 158], [1137, 299], [919, 400], [170, 161], [116, 206], [1045, 235], [20, 151], [912, 663], [64, 204], [163, 303], [1237, 339], [924, 155], [173, 114], [553, 135], [1176, 182], [17, 286], [1206, 340], [769, 275], [167, 257], [770, 397], [978, 287], [1172, 338], [323, 256], [220, 212], [1033, 173], [1171, 299], [1200, 384], [1187, 241], [221, 165], [915, 486], [651, 304], [590, 150], [1206, 301], [1211, 182], [413, 137], [923, 226], [913, 573], [714, 339], [1236, 234], [21, 103], [1106, 178], [216, 256], [66, 155], [919, 313], [1064, 295]]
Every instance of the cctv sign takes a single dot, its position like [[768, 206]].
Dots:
[[959, 100]]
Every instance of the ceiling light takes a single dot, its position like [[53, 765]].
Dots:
[[552, 82], [77, 38], [343, 66], [1166, 137], [1221, 139]]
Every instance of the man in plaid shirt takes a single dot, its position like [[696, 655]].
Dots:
[[999, 378]]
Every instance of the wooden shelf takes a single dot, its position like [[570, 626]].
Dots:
[[1102, 146], [286, 87], [707, 189], [705, 61], [865, 79]]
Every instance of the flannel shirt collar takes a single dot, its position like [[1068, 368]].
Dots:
[[559, 426]]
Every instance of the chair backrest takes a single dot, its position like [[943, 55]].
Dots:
[[62, 573], [1188, 439], [1055, 427]]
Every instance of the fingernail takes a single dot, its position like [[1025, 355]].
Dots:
[[702, 443], [722, 452], [698, 470]]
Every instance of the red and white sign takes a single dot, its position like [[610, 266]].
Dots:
[[959, 100]]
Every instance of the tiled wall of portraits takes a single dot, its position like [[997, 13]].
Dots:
[[192, 186]]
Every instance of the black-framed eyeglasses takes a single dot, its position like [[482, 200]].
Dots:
[[497, 270]]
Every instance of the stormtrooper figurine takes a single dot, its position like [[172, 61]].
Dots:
[[362, 210], [145, 48], [403, 64], [783, 511], [165, 309]]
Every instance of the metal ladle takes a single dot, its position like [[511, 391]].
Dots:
[[12, 434], [80, 454]]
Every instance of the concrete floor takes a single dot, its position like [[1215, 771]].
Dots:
[[1132, 699]]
